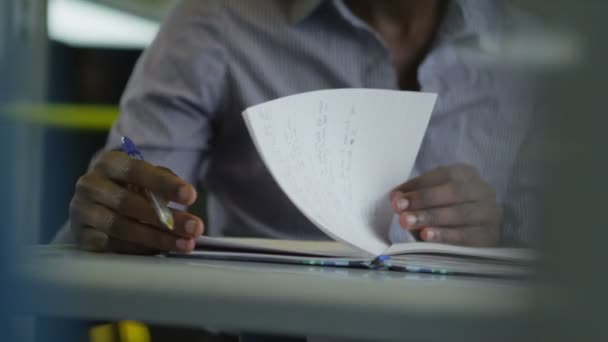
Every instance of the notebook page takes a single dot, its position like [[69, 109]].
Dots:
[[257, 245], [337, 153], [495, 253]]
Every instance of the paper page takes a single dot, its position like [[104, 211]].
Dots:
[[337, 153], [460, 266], [495, 253], [280, 258], [256, 245]]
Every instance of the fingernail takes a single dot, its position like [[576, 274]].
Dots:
[[411, 219], [184, 192], [430, 235], [191, 227], [402, 204], [184, 244]]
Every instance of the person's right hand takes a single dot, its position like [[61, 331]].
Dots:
[[108, 213]]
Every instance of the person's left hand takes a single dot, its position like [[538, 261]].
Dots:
[[450, 204]]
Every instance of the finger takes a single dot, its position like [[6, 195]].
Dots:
[[166, 169], [95, 188], [121, 168], [448, 194], [134, 188], [92, 240], [477, 236], [187, 225], [126, 229], [399, 202], [464, 214], [440, 175]]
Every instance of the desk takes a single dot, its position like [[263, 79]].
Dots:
[[66, 283]]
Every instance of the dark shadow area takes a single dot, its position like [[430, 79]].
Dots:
[[76, 76], [87, 75]]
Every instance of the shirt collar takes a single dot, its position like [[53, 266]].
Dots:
[[302, 9], [470, 16]]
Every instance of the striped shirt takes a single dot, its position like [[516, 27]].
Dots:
[[212, 59]]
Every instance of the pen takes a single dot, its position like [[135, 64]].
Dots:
[[162, 211]]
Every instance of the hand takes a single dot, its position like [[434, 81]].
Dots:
[[107, 213], [449, 204]]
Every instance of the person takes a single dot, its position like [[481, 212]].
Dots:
[[212, 59]]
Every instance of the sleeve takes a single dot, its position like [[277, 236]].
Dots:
[[175, 89], [173, 93], [489, 106], [521, 209]]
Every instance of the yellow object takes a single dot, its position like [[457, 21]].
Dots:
[[73, 116], [123, 331], [102, 333]]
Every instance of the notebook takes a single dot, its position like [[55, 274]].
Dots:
[[336, 154]]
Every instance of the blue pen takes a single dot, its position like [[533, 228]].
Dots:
[[162, 211]]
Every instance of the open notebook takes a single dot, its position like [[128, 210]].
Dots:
[[336, 154]]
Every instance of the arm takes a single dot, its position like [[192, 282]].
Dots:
[[167, 110], [175, 90]]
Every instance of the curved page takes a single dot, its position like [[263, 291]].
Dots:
[[337, 153]]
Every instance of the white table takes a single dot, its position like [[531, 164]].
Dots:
[[61, 282]]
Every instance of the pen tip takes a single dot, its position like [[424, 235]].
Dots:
[[169, 222]]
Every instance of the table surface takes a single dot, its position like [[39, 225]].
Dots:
[[59, 281]]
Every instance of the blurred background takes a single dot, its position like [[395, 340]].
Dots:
[[65, 63], [78, 57]]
